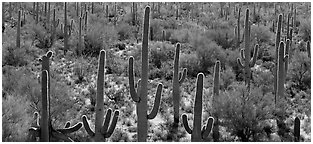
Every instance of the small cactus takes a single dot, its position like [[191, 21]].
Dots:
[[296, 130], [103, 129], [198, 134]]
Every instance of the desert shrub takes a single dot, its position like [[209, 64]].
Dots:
[[16, 119], [227, 78], [115, 63], [223, 37], [125, 31], [13, 56], [191, 62], [261, 34], [161, 52], [99, 37], [208, 52], [119, 136], [181, 36], [244, 114], [41, 36], [299, 71], [305, 29]]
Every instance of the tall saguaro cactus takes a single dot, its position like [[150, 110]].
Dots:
[[245, 53], [103, 129], [277, 41], [238, 28], [282, 58], [308, 48], [216, 86], [178, 79], [198, 134], [140, 96]]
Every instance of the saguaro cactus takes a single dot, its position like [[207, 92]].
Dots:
[[198, 134], [178, 79], [278, 33], [216, 86], [245, 53], [65, 29], [44, 129], [296, 130], [282, 58], [18, 35], [140, 96], [103, 129], [55, 24], [238, 28]]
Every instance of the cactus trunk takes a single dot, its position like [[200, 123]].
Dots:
[[18, 35]]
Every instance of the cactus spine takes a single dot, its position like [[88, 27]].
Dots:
[[178, 79], [245, 53], [103, 129], [296, 130], [140, 96], [18, 34], [198, 134], [216, 86]]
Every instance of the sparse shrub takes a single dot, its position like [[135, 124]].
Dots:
[[208, 52], [125, 32], [223, 37], [16, 119], [119, 136], [99, 37], [191, 62], [161, 52], [260, 34], [245, 115], [305, 29], [14, 56], [180, 36], [41, 36]]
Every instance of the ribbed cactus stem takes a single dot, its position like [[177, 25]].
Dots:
[[104, 129], [178, 78], [44, 123], [18, 35], [140, 96], [65, 29], [277, 41], [216, 85], [287, 47], [296, 130], [238, 28], [281, 72], [308, 48], [198, 134]]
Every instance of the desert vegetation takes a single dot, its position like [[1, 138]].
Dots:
[[156, 71]]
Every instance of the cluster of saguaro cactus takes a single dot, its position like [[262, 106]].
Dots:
[[178, 79], [140, 96], [198, 134], [103, 128], [245, 53], [43, 127]]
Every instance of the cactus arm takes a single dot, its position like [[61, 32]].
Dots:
[[242, 53], [183, 76], [44, 127], [106, 121], [207, 129], [241, 65], [286, 59], [157, 102], [113, 124], [67, 125], [49, 54], [185, 123], [133, 92], [87, 127], [70, 129], [255, 55]]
